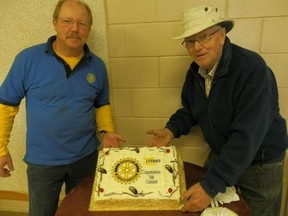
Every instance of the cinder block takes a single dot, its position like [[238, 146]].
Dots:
[[279, 64], [134, 72], [126, 11], [153, 39], [283, 92], [116, 41], [195, 155], [275, 35], [174, 8], [173, 70], [238, 35], [134, 129], [122, 102], [155, 103], [258, 8]]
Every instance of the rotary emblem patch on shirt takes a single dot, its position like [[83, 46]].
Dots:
[[91, 78]]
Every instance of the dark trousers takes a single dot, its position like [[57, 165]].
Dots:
[[45, 183], [261, 186]]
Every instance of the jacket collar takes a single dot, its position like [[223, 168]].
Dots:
[[225, 59]]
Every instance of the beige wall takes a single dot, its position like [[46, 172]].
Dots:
[[146, 68]]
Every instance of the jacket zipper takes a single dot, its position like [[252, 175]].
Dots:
[[208, 107]]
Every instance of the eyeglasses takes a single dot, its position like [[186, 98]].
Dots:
[[68, 22], [188, 43]]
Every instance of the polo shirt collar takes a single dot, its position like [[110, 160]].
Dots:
[[49, 47]]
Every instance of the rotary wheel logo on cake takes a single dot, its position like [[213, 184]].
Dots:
[[126, 170]]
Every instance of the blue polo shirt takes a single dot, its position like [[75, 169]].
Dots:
[[60, 103]]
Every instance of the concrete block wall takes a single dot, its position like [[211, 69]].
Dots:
[[147, 67]]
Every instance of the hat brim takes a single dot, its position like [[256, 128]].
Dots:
[[227, 24]]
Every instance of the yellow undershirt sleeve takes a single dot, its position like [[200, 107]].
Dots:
[[7, 116], [104, 119]]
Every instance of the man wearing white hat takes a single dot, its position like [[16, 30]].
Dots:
[[232, 95]]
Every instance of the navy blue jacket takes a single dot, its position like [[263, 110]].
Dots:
[[240, 120]]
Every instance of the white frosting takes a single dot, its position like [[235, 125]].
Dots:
[[144, 173]]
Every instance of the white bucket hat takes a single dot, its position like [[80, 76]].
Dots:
[[200, 18]]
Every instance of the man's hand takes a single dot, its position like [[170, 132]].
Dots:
[[6, 160], [111, 139], [161, 137], [197, 199]]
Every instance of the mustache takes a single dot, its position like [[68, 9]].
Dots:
[[74, 36]]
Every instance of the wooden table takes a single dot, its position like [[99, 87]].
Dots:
[[76, 203]]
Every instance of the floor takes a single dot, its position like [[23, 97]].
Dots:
[[4, 213]]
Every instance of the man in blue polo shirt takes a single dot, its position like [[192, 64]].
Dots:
[[66, 91]]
